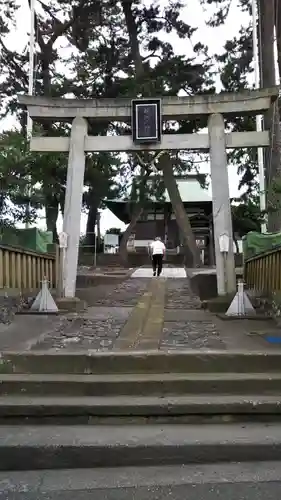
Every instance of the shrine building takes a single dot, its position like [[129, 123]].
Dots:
[[158, 218]]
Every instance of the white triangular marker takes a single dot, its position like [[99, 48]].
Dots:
[[44, 301], [241, 304]]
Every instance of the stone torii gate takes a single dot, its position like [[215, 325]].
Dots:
[[215, 107]]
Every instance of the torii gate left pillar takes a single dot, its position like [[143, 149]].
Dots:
[[73, 203]]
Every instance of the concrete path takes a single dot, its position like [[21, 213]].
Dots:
[[168, 272], [250, 481], [138, 314]]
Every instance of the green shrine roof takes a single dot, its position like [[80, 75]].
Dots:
[[190, 190]]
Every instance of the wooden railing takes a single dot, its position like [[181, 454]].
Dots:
[[24, 269], [263, 272]]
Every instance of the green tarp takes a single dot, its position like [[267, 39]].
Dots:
[[28, 239], [255, 243]]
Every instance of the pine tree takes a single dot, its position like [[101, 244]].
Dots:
[[236, 67], [116, 49], [60, 20], [168, 75]]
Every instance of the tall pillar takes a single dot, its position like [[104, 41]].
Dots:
[[73, 202], [225, 266]]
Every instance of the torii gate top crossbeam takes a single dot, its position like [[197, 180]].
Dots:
[[250, 103]]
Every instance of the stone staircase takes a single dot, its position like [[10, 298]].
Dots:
[[85, 410]]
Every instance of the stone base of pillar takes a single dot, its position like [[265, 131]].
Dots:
[[71, 304]]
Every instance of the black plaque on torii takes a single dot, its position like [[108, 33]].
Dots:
[[146, 121]]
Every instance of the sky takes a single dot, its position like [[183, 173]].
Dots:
[[196, 16]]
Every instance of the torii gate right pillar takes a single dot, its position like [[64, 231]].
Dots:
[[225, 265]]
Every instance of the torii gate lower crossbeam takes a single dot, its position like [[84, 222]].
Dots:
[[216, 141]]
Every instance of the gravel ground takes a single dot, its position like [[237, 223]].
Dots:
[[180, 296], [125, 294], [9, 306], [191, 335], [73, 334]]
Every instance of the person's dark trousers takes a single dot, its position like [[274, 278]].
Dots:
[[157, 263]]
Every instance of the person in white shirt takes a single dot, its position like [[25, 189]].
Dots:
[[158, 250]]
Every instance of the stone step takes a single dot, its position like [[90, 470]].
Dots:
[[69, 447], [201, 361], [152, 384], [84, 410], [232, 481]]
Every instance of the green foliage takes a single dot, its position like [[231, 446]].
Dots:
[[246, 216], [13, 178], [222, 9], [235, 65], [109, 66], [236, 61], [115, 49], [46, 173], [113, 67], [22, 171]]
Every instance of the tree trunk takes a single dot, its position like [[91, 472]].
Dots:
[[52, 211], [272, 156], [90, 228], [236, 244], [142, 185], [127, 233], [51, 200], [181, 215], [133, 35], [62, 201]]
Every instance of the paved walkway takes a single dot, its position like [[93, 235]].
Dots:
[[138, 314], [168, 272]]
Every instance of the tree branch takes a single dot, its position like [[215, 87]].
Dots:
[[13, 62], [48, 10], [133, 36], [61, 28]]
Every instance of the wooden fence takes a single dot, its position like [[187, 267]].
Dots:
[[25, 269], [263, 272]]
